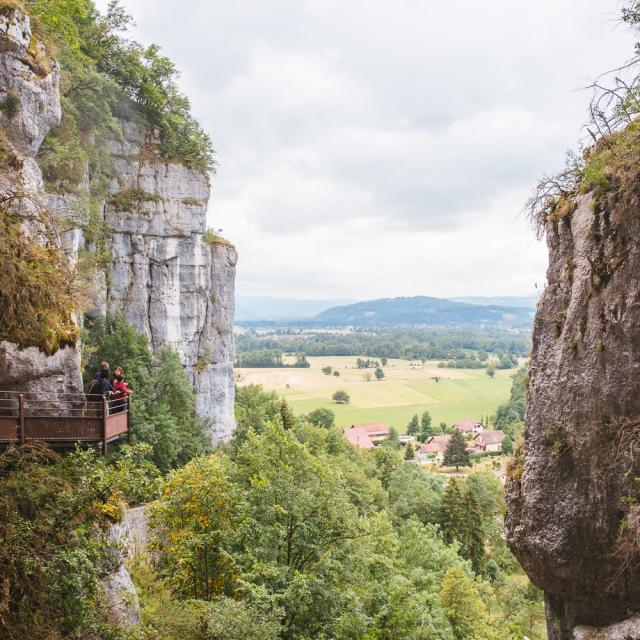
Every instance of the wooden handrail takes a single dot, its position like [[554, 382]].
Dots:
[[46, 419]]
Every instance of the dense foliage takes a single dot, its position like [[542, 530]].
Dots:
[[286, 533], [162, 403], [409, 344], [106, 76], [269, 358], [509, 417], [292, 520], [54, 514]]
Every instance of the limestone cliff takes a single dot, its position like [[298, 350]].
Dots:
[[573, 498], [173, 281], [31, 78]]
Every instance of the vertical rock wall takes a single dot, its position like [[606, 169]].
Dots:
[[172, 283], [573, 504], [31, 76]]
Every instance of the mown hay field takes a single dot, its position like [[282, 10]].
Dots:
[[408, 388]]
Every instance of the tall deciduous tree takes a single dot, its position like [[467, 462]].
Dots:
[[466, 612], [341, 397], [322, 417]]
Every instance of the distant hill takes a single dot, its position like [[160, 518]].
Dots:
[[529, 301], [424, 311], [267, 308]]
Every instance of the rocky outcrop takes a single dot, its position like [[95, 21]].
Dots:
[[120, 598], [572, 506], [172, 281], [625, 630], [29, 83], [29, 74]]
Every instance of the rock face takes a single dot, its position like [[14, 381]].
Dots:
[[30, 78], [28, 73], [173, 284], [572, 517], [625, 630], [119, 593]]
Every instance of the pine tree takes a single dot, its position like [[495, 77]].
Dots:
[[413, 427], [409, 452], [425, 426], [286, 415], [452, 515], [473, 534], [456, 453]]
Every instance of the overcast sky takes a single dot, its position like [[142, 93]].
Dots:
[[384, 147]]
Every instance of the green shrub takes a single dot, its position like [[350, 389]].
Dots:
[[10, 105], [211, 237]]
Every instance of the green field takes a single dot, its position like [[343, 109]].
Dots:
[[408, 388]]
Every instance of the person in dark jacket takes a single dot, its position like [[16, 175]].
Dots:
[[104, 366], [103, 384]]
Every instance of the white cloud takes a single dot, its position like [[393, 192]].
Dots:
[[384, 147]]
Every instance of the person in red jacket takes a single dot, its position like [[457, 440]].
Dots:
[[120, 388]]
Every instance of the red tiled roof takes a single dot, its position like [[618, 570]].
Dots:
[[362, 434], [435, 444], [371, 426], [490, 437], [466, 425]]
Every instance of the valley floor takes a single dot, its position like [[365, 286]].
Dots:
[[407, 388]]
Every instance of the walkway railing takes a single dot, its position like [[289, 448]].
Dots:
[[62, 419]]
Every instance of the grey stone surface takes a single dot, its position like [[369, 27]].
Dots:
[[32, 370], [131, 536], [626, 630], [120, 599], [28, 72], [172, 284], [582, 424]]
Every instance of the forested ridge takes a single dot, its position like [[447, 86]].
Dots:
[[405, 343]]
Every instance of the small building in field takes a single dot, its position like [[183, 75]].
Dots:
[[434, 447], [468, 426], [489, 441], [367, 435]]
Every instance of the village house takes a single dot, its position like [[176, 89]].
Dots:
[[406, 438], [434, 447], [366, 436], [468, 426], [489, 441]]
